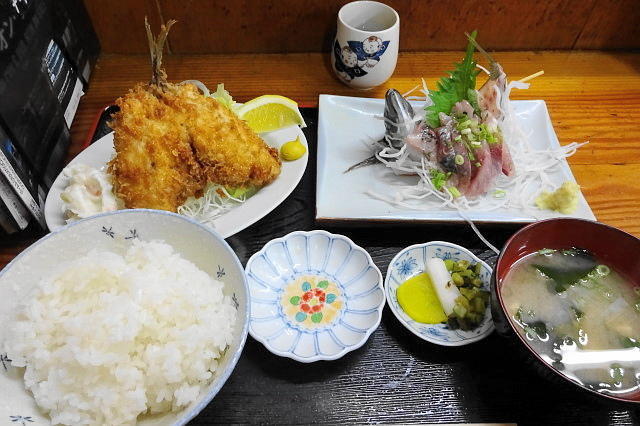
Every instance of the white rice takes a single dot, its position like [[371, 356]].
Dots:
[[110, 337]]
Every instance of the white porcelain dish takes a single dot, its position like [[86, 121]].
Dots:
[[314, 296], [228, 224], [346, 128], [410, 262], [112, 231]]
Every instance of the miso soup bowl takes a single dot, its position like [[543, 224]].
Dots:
[[616, 248]]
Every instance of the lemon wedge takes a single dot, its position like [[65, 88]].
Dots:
[[271, 112], [292, 150]]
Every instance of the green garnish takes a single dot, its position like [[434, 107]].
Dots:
[[499, 193], [242, 192], [628, 342], [438, 178], [603, 270], [470, 306], [546, 251], [577, 313], [454, 191], [617, 372], [568, 276], [459, 159], [455, 88]]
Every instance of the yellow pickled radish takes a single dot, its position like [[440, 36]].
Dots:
[[292, 150], [419, 300]]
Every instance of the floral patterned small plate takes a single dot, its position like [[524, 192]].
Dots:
[[314, 296], [409, 263]]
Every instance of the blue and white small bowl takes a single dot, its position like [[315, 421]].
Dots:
[[314, 296], [409, 263]]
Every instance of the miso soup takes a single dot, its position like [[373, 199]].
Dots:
[[579, 315]]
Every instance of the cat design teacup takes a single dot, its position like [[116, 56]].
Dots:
[[365, 50]]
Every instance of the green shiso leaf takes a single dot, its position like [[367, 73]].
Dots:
[[455, 88]]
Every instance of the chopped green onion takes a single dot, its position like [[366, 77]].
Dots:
[[454, 191], [603, 270], [438, 178], [478, 164], [499, 193], [459, 159], [465, 131], [457, 138], [617, 372], [463, 124], [546, 251]]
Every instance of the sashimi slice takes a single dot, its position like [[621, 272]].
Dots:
[[507, 162], [482, 177], [464, 170], [422, 140]]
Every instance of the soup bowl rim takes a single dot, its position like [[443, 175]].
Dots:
[[497, 293]]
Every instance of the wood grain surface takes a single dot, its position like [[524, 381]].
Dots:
[[284, 26], [591, 96]]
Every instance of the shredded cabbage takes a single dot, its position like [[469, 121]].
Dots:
[[215, 201], [221, 94]]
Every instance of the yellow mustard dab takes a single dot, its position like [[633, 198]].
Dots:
[[292, 150]]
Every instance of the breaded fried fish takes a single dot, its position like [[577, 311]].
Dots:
[[171, 140]]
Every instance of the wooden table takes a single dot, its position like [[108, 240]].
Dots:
[[592, 96], [395, 377]]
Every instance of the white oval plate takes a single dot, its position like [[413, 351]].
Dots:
[[409, 263], [314, 296], [255, 208]]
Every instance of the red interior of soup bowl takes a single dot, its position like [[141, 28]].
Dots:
[[613, 247]]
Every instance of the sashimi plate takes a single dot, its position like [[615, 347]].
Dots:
[[347, 127], [229, 223]]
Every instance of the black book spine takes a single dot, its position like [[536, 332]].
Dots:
[[21, 178], [21, 190], [13, 204], [64, 79], [7, 223]]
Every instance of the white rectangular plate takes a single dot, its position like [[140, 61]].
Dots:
[[346, 128]]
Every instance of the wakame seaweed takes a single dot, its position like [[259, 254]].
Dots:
[[565, 277]]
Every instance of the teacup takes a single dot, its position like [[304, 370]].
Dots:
[[365, 50]]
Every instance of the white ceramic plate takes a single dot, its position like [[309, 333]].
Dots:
[[346, 127], [314, 296], [409, 263], [228, 224]]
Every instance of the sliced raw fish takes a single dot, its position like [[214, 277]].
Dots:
[[482, 177], [423, 140]]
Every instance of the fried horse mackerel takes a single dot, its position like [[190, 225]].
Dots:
[[171, 141]]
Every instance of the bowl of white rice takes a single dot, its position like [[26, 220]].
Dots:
[[130, 317]]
